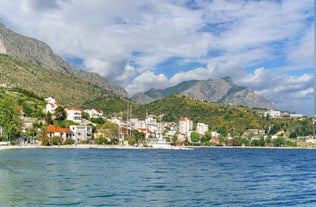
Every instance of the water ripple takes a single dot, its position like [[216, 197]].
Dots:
[[202, 177]]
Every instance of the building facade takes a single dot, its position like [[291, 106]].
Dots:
[[81, 132], [185, 125], [201, 128], [74, 114]]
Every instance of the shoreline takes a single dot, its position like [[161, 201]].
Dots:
[[91, 146]]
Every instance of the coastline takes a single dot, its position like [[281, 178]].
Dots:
[[93, 146], [90, 146]]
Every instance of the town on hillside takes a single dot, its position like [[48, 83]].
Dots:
[[91, 126]]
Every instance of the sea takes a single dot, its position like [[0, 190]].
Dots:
[[143, 177]]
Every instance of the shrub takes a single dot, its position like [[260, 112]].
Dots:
[[69, 141], [57, 141]]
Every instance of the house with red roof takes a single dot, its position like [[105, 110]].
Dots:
[[53, 131]]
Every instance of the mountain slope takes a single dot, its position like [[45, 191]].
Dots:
[[39, 53], [68, 90], [219, 117], [221, 91]]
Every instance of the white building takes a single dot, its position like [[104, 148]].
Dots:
[[74, 114], [296, 115], [201, 128], [185, 125], [215, 134], [81, 132], [150, 120], [273, 114], [116, 120], [51, 105], [94, 113], [137, 124]]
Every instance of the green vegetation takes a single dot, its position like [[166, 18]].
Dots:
[[9, 118], [223, 118], [67, 90], [30, 84]]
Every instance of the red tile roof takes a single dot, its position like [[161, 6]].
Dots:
[[52, 129], [20, 108], [73, 109]]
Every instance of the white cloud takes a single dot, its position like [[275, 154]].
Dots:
[[196, 74], [127, 75], [282, 89], [303, 53], [146, 81], [233, 38]]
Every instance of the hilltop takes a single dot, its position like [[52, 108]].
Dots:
[[220, 91]]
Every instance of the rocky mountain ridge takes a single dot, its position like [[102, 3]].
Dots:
[[221, 91], [39, 53]]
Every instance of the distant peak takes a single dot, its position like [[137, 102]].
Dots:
[[228, 79]]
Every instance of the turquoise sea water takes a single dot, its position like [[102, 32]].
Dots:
[[200, 177]]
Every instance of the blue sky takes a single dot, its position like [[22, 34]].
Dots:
[[266, 45]]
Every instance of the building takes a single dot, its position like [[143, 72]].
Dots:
[[94, 113], [51, 105], [74, 114], [215, 134], [273, 114], [53, 131], [150, 120], [81, 132], [296, 115], [201, 128], [185, 125]]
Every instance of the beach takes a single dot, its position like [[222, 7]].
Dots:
[[89, 146]]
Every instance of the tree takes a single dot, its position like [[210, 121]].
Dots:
[[174, 139], [43, 137], [85, 115], [207, 136], [48, 118], [245, 141], [57, 141], [2, 92], [60, 113], [10, 120], [109, 129], [278, 142], [98, 120], [293, 135], [195, 137]]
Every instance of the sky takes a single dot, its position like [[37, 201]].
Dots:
[[266, 45]]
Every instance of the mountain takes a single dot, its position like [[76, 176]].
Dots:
[[221, 91], [217, 116], [39, 53], [68, 90], [142, 98]]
